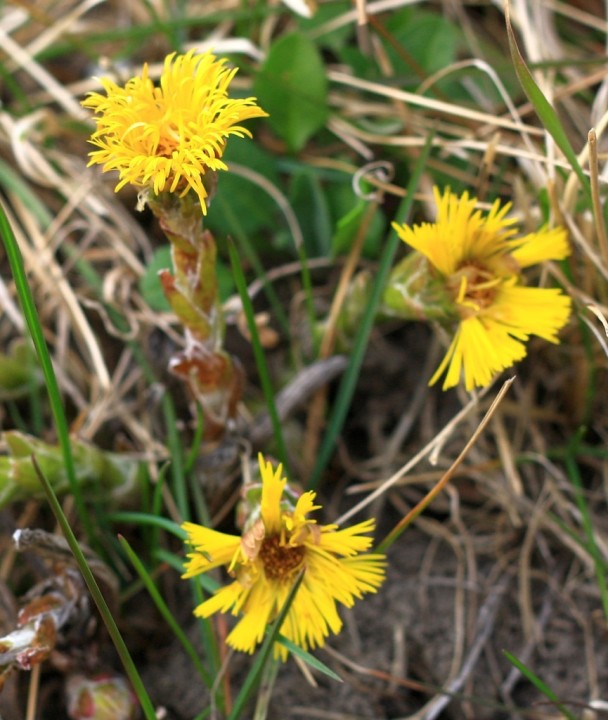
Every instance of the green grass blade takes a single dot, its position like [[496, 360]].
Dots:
[[307, 286], [258, 352], [264, 655], [176, 453], [198, 584], [591, 545], [177, 563], [543, 108], [539, 684], [247, 248], [197, 440], [139, 518], [151, 534], [309, 659], [601, 564], [14, 183], [350, 377], [102, 606], [32, 320], [163, 609]]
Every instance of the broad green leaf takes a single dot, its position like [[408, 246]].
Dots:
[[238, 197], [361, 65], [292, 88], [337, 37], [149, 282], [429, 39]]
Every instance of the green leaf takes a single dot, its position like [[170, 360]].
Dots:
[[292, 88], [309, 202], [238, 197], [149, 283], [539, 685], [348, 226], [309, 659], [431, 40], [335, 38], [543, 108]]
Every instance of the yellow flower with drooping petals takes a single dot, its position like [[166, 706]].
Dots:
[[279, 543], [166, 137], [479, 261]]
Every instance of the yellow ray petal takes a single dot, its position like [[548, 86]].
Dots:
[[273, 485], [210, 548], [540, 246], [258, 612]]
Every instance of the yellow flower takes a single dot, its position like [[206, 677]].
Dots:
[[478, 260], [166, 138], [266, 560]]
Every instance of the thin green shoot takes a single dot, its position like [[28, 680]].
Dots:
[[98, 598], [539, 685], [138, 518], [350, 377], [37, 334], [544, 109], [263, 655], [164, 610], [258, 351], [246, 247], [198, 584], [197, 440], [579, 494]]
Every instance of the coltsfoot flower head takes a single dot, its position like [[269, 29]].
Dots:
[[278, 542], [166, 137], [478, 261]]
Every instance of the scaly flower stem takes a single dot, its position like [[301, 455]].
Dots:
[[215, 377]]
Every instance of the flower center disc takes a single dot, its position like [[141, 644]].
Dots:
[[474, 286], [280, 562]]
